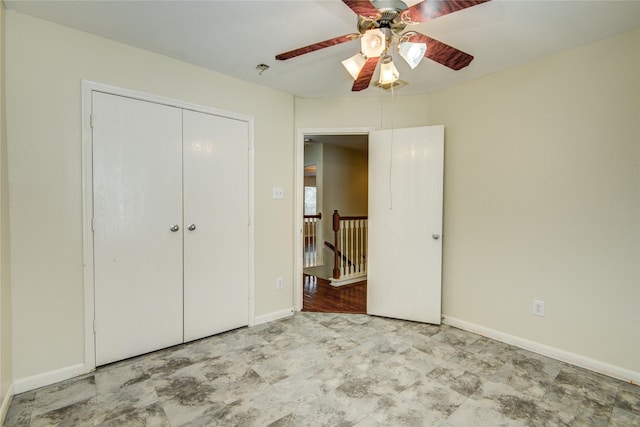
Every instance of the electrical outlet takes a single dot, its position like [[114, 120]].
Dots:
[[279, 283], [538, 307]]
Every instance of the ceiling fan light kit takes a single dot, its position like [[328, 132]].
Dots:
[[373, 43], [412, 52], [380, 27], [355, 64], [388, 71]]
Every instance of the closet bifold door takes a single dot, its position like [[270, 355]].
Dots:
[[216, 224], [137, 207]]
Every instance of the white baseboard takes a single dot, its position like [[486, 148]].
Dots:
[[342, 282], [51, 377], [545, 350], [269, 317], [5, 404], [47, 378]]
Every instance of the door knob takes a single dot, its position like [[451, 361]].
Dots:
[[435, 236], [191, 227], [174, 228]]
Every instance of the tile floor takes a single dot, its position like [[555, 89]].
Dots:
[[321, 369]]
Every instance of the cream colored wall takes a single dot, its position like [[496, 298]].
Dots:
[[361, 112], [6, 367], [542, 195], [542, 200], [45, 65]]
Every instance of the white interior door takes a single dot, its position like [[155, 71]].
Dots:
[[137, 168], [405, 223], [216, 215]]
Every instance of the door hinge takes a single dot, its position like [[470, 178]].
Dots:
[[93, 225], [94, 326], [91, 120]]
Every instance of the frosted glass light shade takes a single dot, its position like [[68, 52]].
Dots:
[[372, 43], [388, 71], [412, 52], [354, 64]]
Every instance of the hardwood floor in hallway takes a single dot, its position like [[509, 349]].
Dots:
[[320, 296]]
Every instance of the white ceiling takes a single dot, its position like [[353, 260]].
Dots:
[[232, 37]]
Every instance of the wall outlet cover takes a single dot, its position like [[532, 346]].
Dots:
[[538, 307]]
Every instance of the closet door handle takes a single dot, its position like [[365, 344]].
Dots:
[[191, 227], [174, 228]]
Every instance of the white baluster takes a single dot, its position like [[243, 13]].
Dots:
[[354, 251], [363, 237], [316, 255], [349, 247], [342, 250], [319, 241], [359, 254]]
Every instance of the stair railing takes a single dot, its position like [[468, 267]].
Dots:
[[312, 232], [350, 246]]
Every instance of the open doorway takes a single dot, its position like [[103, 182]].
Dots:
[[334, 198], [404, 248]]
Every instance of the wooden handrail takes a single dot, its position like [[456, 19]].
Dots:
[[353, 217], [317, 216], [336, 257], [344, 257]]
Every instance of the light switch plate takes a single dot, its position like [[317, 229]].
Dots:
[[538, 307], [278, 193]]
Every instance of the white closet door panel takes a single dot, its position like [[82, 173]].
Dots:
[[137, 156], [405, 223], [216, 201]]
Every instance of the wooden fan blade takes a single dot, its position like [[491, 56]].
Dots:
[[431, 9], [317, 46], [362, 8], [364, 78], [442, 53]]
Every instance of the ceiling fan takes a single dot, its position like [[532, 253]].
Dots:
[[380, 26]]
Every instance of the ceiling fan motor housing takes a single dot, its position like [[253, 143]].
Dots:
[[389, 5], [388, 17]]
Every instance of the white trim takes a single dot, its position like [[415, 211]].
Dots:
[[252, 248], [51, 377], [341, 282], [276, 315], [87, 234], [6, 402], [298, 268], [545, 350], [143, 96], [87, 202]]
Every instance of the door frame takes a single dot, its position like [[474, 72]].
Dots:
[[87, 199], [298, 267]]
